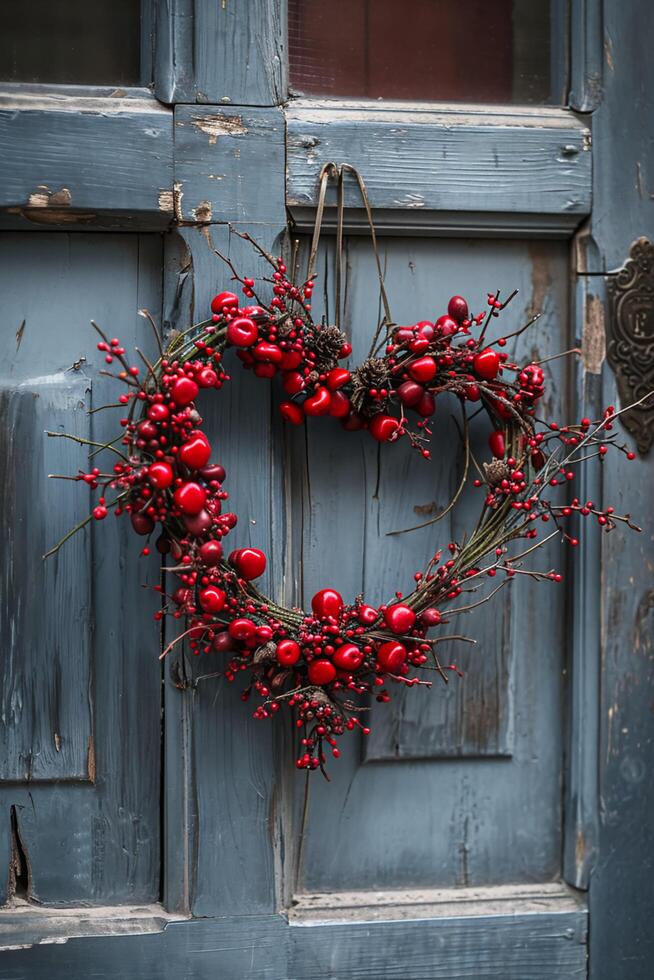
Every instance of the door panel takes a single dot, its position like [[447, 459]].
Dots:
[[80, 802], [481, 760]]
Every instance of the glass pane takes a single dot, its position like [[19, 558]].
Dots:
[[427, 50], [79, 42]]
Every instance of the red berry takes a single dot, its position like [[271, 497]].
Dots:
[[198, 524], [424, 369], [340, 405], [487, 364], [410, 393], [190, 498], [457, 308], [327, 602], [319, 403], [265, 351], [427, 405], [242, 332], [391, 656], [446, 326], [184, 391], [158, 412], [223, 302], [293, 382], [292, 413], [212, 599], [321, 672], [337, 378], [207, 378], [210, 553], [241, 629], [141, 523], [430, 617], [399, 618], [367, 615], [196, 451], [288, 652], [383, 427], [497, 445], [290, 360], [249, 563], [348, 657], [160, 475], [213, 472]]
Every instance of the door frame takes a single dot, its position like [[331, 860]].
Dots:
[[207, 114]]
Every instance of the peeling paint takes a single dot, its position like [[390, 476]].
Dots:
[[593, 339], [202, 213], [216, 125], [167, 202], [43, 197], [90, 759], [541, 278]]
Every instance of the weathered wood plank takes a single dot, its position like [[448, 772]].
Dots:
[[229, 164], [622, 943], [483, 819], [221, 53], [46, 713], [69, 157], [221, 832], [95, 842], [499, 946], [419, 160]]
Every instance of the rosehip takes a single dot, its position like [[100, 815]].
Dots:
[[399, 618], [242, 332], [249, 563], [327, 602], [391, 656], [184, 391], [210, 553], [487, 364], [223, 302], [190, 498], [348, 657], [212, 599], [457, 308], [319, 403], [196, 451], [288, 652], [383, 427], [321, 672], [160, 475]]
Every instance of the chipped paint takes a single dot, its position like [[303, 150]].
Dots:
[[216, 124], [43, 197], [202, 213], [593, 339], [167, 202], [90, 759], [541, 278]]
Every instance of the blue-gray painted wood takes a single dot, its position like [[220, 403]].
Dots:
[[69, 157], [46, 715], [94, 842], [586, 55], [474, 820], [219, 53], [222, 827], [419, 160], [550, 946], [229, 164], [621, 889]]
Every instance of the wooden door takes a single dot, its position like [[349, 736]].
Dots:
[[151, 827]]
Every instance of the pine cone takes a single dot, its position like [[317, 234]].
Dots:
[[373, 373], [496, 471], [327, 343]]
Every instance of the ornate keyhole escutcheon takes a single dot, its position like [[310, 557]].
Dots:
[[630, 339]]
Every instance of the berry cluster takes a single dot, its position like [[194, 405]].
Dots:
[[324, 664]]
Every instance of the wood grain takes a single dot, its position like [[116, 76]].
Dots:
[[418, 159], [94, 842], [68, 158], [221, 53]]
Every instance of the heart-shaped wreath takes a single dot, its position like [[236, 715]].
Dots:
[[324, 664]]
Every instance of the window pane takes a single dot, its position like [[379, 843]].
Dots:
[[79, 42], [426, 50]]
